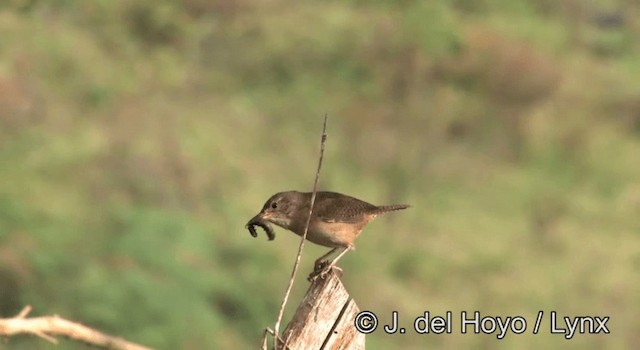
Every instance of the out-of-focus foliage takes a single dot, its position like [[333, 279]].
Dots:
[[137, 138]]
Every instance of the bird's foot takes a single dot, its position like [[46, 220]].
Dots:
[[322, 269], [321, 264]]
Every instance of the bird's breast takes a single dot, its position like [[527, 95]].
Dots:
[[332, 234]]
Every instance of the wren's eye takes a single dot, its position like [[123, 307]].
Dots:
[[274, 205]]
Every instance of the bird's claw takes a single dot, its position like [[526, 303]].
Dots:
[[322, 269], [321, 264]]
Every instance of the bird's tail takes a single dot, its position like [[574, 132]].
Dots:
[[392, 207]]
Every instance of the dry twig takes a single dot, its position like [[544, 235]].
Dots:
[[47, 327], [276, 328]]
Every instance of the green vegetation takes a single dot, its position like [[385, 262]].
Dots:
[[137, 138]]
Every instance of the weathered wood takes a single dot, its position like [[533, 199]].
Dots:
[[325, 318]]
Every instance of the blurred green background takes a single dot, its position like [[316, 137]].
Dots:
[[138, 137]]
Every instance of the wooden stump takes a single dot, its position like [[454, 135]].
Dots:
[[325, 318]]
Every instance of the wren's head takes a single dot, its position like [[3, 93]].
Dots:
[[281, 208]]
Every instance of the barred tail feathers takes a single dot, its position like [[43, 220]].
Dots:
[[392, 207]]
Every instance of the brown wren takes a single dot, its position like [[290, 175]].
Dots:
[[336, 221]]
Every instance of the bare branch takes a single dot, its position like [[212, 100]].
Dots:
[[276, 328], [47, 327]]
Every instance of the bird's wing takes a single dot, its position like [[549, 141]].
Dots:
[[334, 207]]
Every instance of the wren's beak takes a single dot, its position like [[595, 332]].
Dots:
[[262, 216], [259, 217]]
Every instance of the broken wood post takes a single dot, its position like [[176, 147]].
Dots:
[[325, 318]]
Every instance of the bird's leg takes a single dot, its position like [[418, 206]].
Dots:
[[346, 249], [320, 262], [322, 267]]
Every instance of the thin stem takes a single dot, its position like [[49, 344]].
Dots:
[[276, 328]]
